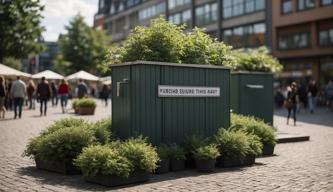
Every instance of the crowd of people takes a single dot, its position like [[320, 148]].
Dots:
[[14, 94], [295, 96]]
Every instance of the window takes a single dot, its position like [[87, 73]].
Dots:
[[152, 11], [305, 4], [232, 8], [131, 3], [177, 3], [112, 9], [206, 14], [120, 23], [326, 2], [326, 37], [295, 41], [287, 6], [101, 4], [245, 36]]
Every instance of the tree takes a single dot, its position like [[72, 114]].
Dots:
[[82, 48], [20, 28]]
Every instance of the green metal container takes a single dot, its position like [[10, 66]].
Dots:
[[251, 93], [144, 100]]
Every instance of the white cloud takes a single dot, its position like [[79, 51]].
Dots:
[[58, 13]]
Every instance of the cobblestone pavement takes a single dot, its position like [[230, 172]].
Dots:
[[303, 166]]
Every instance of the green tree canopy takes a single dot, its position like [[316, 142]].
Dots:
[[20, 28], [81, 48]]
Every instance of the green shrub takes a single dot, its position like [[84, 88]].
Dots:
[[193, 142], [75, 103], [207, 152], [141, 154], [255, 126], [103, 160], [163, 151], [60, 144], [232, 144], [102, 130], [161, 41], [255, 145], [255, 60], [64, 123], [86, 102], [176, 152]]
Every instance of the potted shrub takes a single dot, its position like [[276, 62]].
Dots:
[[205, 157], [164, 163], [102, 130], [75, 106], [86, 106], [177, 157], [254, 151], [118, 163], [55, 151], [191, 144], [55, 148], [233, 147], [249, 124]]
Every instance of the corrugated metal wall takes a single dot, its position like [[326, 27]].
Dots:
[[253, 101], [170, 119]]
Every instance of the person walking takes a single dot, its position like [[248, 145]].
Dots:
[[63, 93], [2, 97], [312, 94], [44, 94], [82, 89], [31, 94], [105, 94], [54, 94], [329, 95], [18, 91], [291, 102]]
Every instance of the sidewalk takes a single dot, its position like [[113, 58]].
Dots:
[[302, 166]]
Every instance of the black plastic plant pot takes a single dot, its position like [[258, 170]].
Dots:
[[177, 165], [163, 166], [268, 150], [249, 160], [190, 161], [64, 166], [205, 165], [222, 162], [112, 180]]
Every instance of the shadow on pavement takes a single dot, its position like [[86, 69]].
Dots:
[[320, 117], [77, 181]]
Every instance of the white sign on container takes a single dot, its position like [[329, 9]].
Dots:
[[187, 91]]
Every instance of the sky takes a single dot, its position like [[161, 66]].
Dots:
[[58, 13]]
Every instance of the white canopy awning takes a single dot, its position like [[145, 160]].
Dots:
[[47, 74], [82, 75], [10, 72]]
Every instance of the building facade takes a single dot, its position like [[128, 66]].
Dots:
[[43, 61], [277, 24], [303, 39]]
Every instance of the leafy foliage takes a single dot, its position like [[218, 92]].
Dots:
[[86, 102], [255, 60], [255, 145], [105, 160], [82, 48], [232, 144], [60, 144], [102, 131], [163, 151], [20, 28], [176, 152], [207, 152], [254, 126], [193, 142], [12, 62], [64, 123], [140, 153], [63, 138], [161, 41]]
